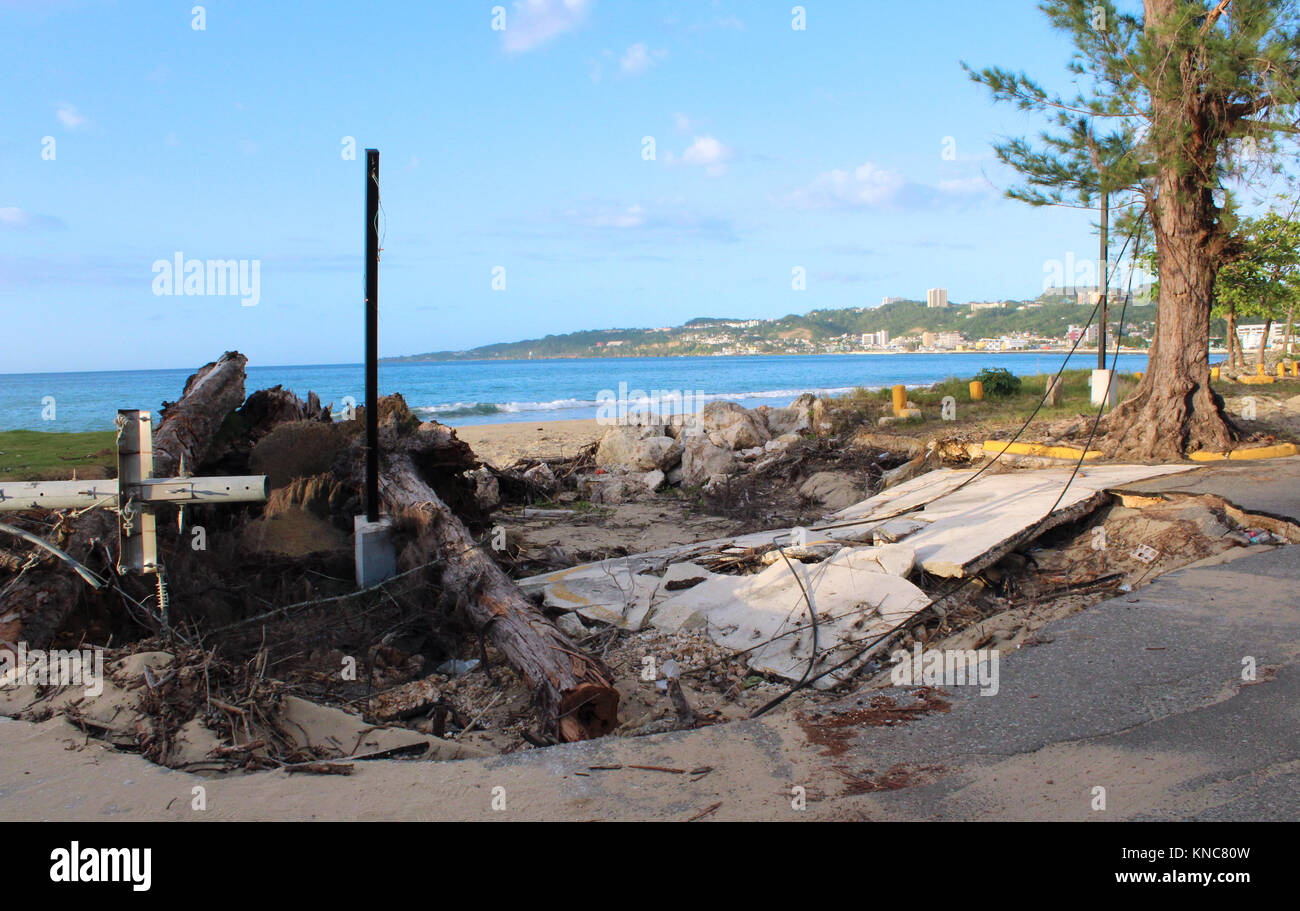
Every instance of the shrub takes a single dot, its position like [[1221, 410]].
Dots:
[[998, 381]]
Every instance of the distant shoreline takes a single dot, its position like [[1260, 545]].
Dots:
[[618, 357]]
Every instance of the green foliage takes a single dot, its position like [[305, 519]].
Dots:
[[1264, 282], [998, 381]]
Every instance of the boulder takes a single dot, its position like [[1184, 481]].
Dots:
[[627, 448], [731, 426], [834, 489], [702, 460]]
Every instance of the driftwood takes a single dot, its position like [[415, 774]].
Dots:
[[187, 428], [574, 692]]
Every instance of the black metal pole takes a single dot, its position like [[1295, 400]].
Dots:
[[372, 335], [1105, 276]]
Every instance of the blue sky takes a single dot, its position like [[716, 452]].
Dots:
[[519, 148]]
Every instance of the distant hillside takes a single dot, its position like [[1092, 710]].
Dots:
[[817, 332]]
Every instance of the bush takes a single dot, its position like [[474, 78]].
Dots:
[[998, 381]]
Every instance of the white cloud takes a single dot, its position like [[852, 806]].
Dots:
[[631, 217], [535, 22], [19, 219], [638, 58], [69, 116], [705, 152], [870, 186]]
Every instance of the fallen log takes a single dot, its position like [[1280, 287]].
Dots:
[[574, 692], [186, 428]]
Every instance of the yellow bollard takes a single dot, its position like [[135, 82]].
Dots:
[[900, 400], [1281, 370], [1138, 376], [976, 391], [1214, 372], [1260, 369], [1295, 368]]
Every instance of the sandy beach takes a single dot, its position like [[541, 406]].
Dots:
[[501, 444]]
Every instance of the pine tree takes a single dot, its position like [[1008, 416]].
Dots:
[[1186, 89]]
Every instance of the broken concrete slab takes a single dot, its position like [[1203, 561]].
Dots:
[[856, 594], [610, 592], [967, 528]]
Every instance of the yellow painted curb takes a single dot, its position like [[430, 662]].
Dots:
[[1038, 449], [1279, 451], [1255, 380]]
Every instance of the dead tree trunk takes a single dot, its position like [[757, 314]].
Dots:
[[574, 692], [187, 428]]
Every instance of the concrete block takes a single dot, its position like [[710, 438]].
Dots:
[[376, 556]]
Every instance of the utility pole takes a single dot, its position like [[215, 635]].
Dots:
[[372, 335], [1104, 273], [376, 558]]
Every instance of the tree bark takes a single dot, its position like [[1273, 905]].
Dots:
[[1286, 336], [187, 428], [574, 692], [1233, 345], [1174, 411], [1263, 339]]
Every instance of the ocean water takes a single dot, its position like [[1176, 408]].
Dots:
[[485, 392]]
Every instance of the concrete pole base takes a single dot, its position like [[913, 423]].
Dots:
[[376, 557], [1103, 388]]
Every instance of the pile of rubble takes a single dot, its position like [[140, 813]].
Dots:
[[698, 451]]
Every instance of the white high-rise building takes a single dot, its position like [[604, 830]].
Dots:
[[936, 298]]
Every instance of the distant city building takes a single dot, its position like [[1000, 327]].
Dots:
[[891, 300], [989, 305], [950, 340], [936, 298], [928, 339]]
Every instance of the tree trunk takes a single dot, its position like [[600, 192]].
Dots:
[[1233, 345], [1286, 336], [574, 693], [187, 428], [1174, 411], [1263, 339]]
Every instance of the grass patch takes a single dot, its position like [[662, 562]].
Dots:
[[33, 455], [1075, 400]]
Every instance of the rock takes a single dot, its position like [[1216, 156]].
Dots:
[[749, 454], [782, 443], [834, 489], [542, 476], [625, 447], [604, 489], [572, 626], [487, 492], [795, 419], [702, 460], [652, 480], [731, 426]]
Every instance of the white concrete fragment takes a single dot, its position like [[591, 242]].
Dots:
[[959, 526], [855, 598]]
